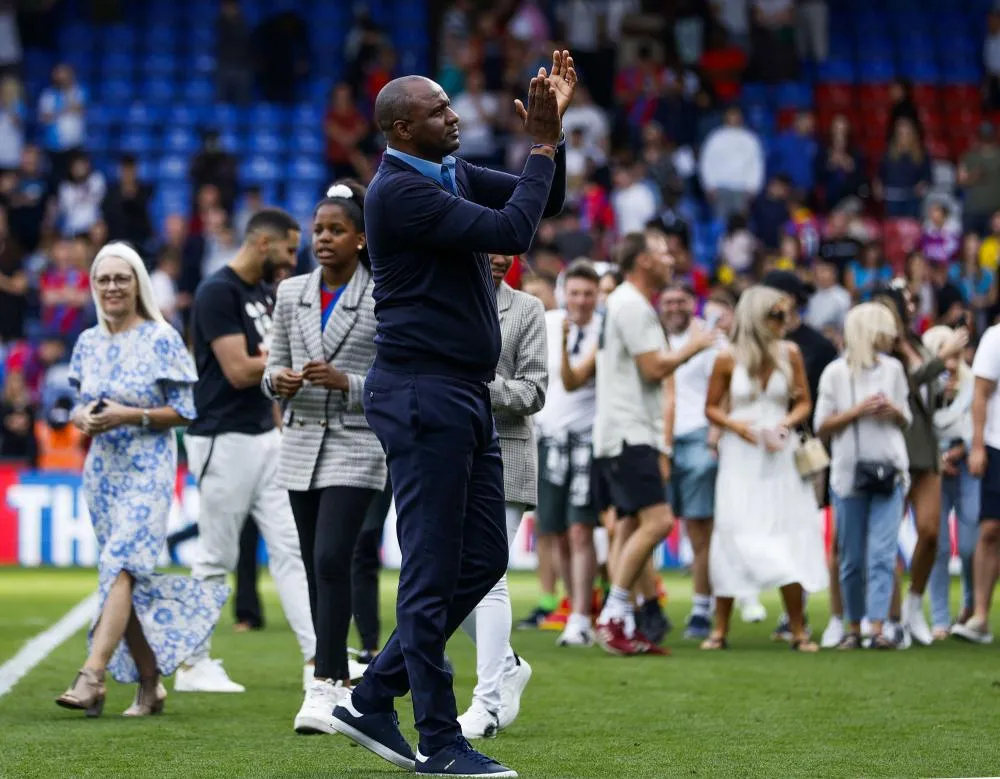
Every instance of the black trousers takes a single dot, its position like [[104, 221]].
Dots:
[[329, 521], [247, 602], [365, 568]]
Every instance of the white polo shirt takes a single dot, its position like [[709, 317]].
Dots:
[[568, 412], [629, 408], [986, 365]]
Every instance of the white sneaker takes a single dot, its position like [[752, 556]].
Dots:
[[479, 722], [752, 610], [914, 620], [973, 630], [316, 714], [206, 675], [833, 634], [355, 670], [578, 632], [511, 688]]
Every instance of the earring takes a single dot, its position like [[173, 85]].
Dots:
[[361, 246]]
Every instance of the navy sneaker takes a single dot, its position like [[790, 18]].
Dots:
[[376, 732], [652, 622], [460, 759], [698, 627]]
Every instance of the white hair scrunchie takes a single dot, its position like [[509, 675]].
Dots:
[[340, 190]]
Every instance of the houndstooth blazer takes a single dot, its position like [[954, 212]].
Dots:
[[518, 391], [326, 440]]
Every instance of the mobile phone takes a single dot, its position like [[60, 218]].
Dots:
[[99, 407]]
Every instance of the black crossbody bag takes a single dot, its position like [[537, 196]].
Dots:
[[871, 477]]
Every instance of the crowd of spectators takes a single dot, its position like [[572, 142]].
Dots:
[[657, 135]]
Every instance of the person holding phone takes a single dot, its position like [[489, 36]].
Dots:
[[134, 380]]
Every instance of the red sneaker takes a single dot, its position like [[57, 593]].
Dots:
[[611, 636], [647, 647]]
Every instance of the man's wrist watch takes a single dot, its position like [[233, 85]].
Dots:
[[668, 451], [145, 419]]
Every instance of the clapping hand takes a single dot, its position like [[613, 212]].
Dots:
[[541, 118], [563, 79], [325, 375], [955, 344]]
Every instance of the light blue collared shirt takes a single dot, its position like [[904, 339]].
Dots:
[[430, 169]]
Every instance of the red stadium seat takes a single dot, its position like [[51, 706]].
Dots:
[[938, 147], [834, 95], [900, 236], [872, 95], [786, 117], [958, 96], [926, 95]]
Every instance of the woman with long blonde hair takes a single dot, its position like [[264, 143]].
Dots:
[[767, 531], [960, 490], [862, 406], [135, 383]]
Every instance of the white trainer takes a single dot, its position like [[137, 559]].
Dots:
[[973, 630], [914, 620], [833, 634], [577, 635], [206, 675], [511, 689], [479, 722], [316, 714]]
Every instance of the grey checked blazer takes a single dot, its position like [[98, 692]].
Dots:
[[518, 391], [326, 440]]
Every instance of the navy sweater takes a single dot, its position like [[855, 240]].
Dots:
[[435, 300]]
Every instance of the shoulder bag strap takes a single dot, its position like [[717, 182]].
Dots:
[[854, 424]]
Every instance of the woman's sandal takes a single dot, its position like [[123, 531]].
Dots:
[[850, 641], [805, 645], [149, 698], [715, 643], [87, 692]]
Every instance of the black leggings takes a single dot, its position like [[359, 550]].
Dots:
[[365, 568], [329, 521]]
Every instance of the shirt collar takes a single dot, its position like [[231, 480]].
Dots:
[[430, 169]]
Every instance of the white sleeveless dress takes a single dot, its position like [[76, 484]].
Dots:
[[767, 526]]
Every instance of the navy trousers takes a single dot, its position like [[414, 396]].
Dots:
[[447, 478]]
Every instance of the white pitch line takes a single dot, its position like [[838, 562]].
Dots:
[[41, 646]]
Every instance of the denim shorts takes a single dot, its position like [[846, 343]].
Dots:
[[691, 491]]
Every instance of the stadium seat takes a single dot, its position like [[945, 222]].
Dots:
[[173, 168], [180, 140], [900, 236], [137, 141], [226, 116], [267, 115], [266, 142], [142, 114], [158, 90], [306, 115], [232, 142], [307, 141], [259, 170], [199, 91], [185, 115], [117, 91]]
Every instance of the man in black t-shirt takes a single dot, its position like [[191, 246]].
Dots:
[[838, 247], [233, 445]]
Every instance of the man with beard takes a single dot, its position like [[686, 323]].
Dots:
[[232, 447]]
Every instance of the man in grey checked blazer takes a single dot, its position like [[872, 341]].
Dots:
[[517, 392]]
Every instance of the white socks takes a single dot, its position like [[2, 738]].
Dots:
[[701, 605]]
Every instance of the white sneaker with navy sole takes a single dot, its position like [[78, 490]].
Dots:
[[460, 759], [479, 722]]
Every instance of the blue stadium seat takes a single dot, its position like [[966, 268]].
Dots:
[[158, 90], [117, 64], [137, 141], [267, 115], [202, 63], [754, 94], [143, 114], [232, 142], [876, 71], [259, 169], [122, 37], [186, 115], [305, 169], [923, 71], [794, 94], [301, 199], [307, 141], [307, 115], [98, 139], [199, 91], [173, 167], [224, 115], [117, 90], [158, 65], [760, 118], [180, 140], [266, 142]]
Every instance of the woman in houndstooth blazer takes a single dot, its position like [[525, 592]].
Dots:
[[331, 463], [517, 392]]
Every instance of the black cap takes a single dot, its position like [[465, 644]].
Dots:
[[787, 282]]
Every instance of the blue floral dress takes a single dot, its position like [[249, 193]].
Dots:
[[129, 480]]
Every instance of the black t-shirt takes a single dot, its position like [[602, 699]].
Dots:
[[226, 305], [817, 353]]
